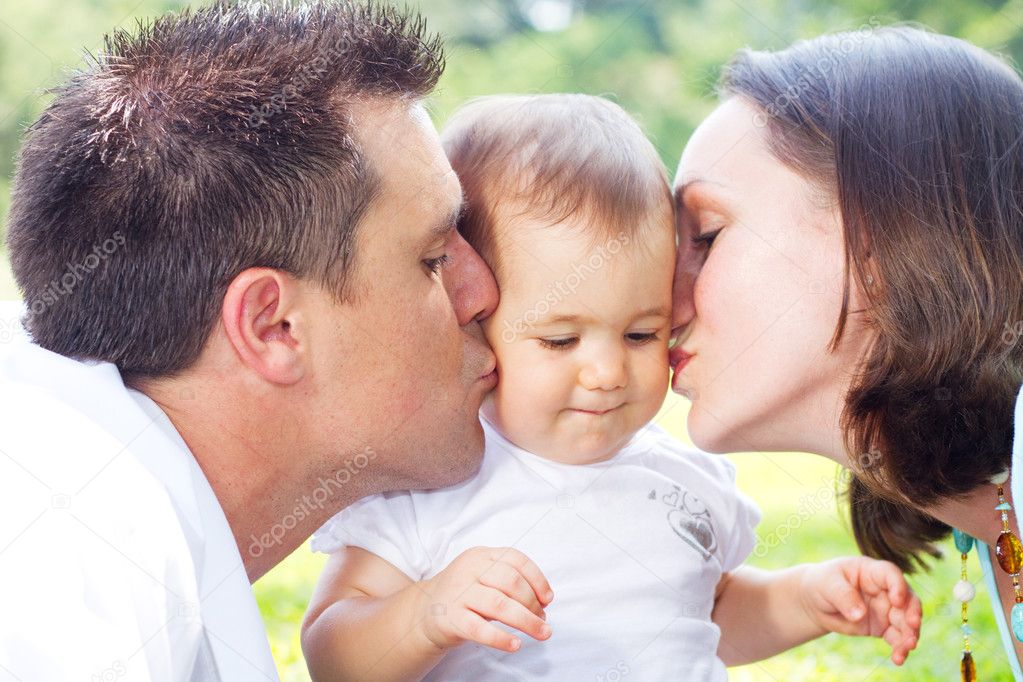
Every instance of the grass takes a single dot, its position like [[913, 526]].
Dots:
[[801, 523]]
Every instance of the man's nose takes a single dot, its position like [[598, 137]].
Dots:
[[470, 283]]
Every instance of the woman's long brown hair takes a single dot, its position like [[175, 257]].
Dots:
[[918, 138]]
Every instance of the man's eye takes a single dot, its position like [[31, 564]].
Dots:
[[559, 343], [435, 265], [641, 337]]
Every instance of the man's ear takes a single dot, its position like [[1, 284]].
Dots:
[[258, 317]]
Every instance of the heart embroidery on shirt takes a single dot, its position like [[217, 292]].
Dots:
[[690, 519]]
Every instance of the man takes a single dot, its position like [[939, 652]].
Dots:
[[249, 307]]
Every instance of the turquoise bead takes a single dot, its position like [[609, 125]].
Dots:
[[1004, 506], [1017, 621], [964, 542], [967, 630]]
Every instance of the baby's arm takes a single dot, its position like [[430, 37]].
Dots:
[[762, 613], [368, 620]]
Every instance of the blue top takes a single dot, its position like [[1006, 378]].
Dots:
[[1016, 485]]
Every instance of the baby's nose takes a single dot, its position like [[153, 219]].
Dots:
[[604, 374]]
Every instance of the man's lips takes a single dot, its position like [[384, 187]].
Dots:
[[489, 375]]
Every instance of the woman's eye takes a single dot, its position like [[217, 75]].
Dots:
[[707, 238], [642, 337], [559, 343], [435, 265]]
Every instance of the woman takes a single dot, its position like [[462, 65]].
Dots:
[[854, 209]]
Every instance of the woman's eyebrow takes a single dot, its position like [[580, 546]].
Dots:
[[704, 191], [681, 189]]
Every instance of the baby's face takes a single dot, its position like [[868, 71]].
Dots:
[[581, 337]]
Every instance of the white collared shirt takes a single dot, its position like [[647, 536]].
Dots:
[[116, 559]]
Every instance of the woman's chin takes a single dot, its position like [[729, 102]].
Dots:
[[707, 432]]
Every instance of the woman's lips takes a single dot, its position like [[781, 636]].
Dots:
[[678, 358]]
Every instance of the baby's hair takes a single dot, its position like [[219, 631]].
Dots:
[[552, 158]]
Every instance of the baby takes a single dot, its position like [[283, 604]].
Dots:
[[616, 549]]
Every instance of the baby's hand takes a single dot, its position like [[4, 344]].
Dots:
[[866, 597], [484, 584]]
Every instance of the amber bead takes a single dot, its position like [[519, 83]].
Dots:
[[967, 668], [1009, 552]]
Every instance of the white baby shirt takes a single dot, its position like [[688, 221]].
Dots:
[[633, 548]]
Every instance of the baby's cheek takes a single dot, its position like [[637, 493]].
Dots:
[[652, 385], [652, 365], [542, 386], [522, 388]]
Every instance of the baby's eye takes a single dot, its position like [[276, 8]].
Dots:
[[560, 343], [640, 338]]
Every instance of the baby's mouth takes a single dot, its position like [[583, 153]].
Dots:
[[597, 412]]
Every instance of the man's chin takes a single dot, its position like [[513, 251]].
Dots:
[[455, 462], [467, 463]]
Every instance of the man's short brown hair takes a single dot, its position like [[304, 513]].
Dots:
[[553, 157], [204, 143]]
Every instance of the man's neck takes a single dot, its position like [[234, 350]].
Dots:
[[270, 498]]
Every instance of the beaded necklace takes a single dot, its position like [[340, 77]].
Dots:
[[1009, 553]]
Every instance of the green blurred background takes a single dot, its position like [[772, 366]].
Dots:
[[659, 60]]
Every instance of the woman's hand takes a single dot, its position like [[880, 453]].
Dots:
[[480, 585], [865, 597]]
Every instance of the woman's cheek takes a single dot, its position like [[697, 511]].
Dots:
[[709, 299]]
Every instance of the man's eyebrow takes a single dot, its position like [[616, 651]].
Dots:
[[450, 222]]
